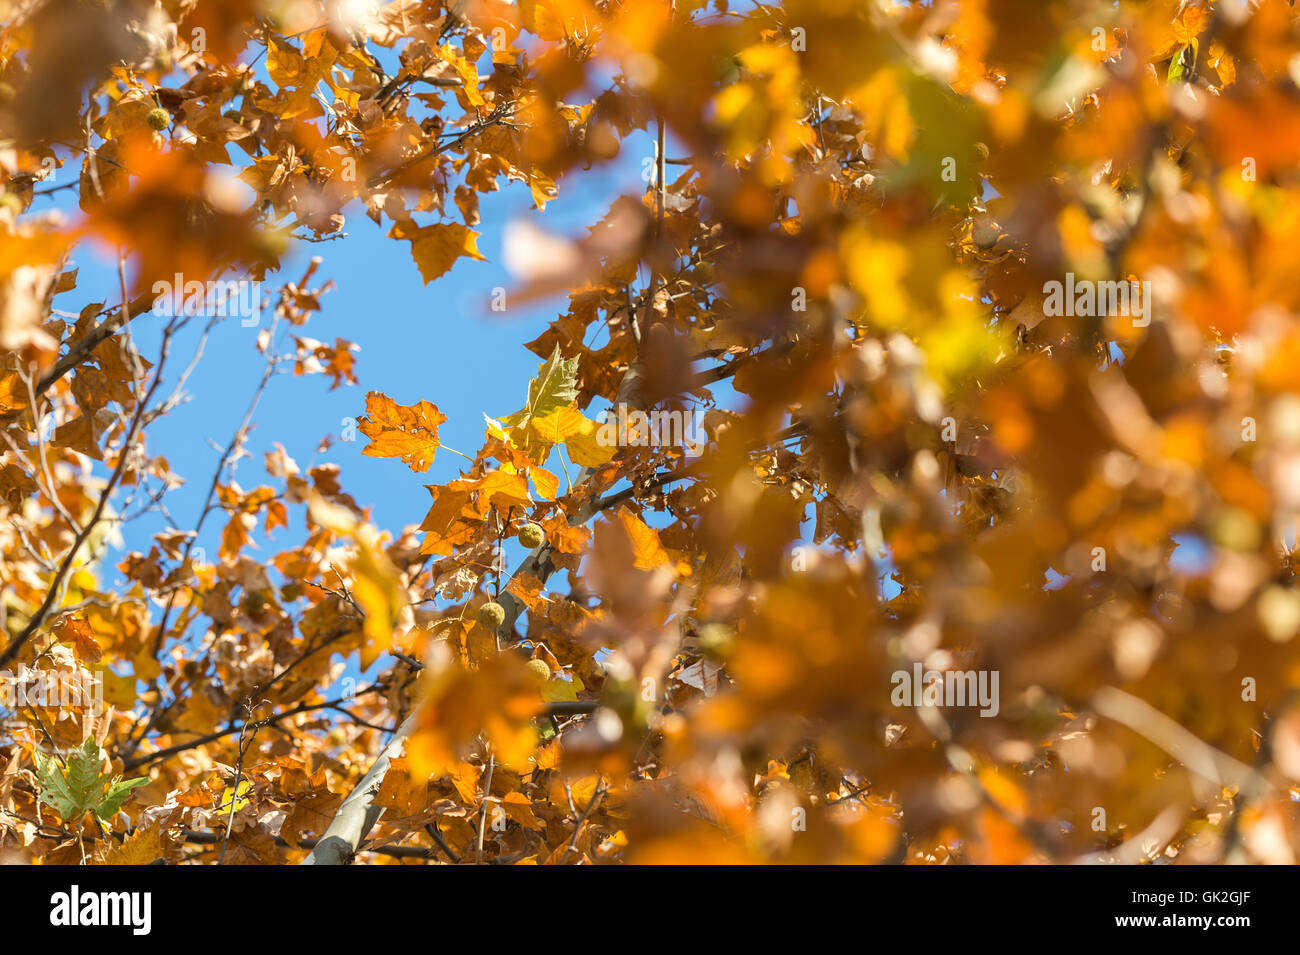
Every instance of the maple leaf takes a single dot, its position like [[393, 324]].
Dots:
[[409, 432]]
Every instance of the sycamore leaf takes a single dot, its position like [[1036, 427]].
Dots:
[[376, 582], [648, 552], [377, 588], [312, 814], [547, 483], [578, 433], [118, 790], [554, 388], [559, 690], [436, 248], [505, 489], [409, 432], [76, 787], [142, 848], [235, 798], [558, 427], [55, 790], [588, 451]]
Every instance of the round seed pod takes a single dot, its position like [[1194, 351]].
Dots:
[[491, 615], [531, 535], [539, 670]]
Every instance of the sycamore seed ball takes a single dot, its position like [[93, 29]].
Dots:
[[159, 118], [984, 236], [531, 535], [540, 670], [491, 615]]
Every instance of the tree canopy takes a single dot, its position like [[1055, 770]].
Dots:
[[951, 347]]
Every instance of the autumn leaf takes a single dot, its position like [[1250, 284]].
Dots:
[[376, 584], [142, 847], [550, 391], [436, 247], [78, 633], [577, 432], [409, 432], [310, 814], [648, 553], [75, 786]]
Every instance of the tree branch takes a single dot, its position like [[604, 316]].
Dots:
[[53, 594], [85, 346]]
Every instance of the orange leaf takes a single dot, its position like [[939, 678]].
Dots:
[[409, 432]]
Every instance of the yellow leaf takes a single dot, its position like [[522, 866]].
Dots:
[[435, 248], [118, 690], [468, 74], [376, 587], [239, 796], [583, 791], [517, 807], [504, 489], [548, 756], [649, 553], [559, 690], [586, 450], [464, 777], [547, 484], [285, 65], [140, 849], [376, 581], [558, 427], [495, 430], [578, 433], [146, 667]]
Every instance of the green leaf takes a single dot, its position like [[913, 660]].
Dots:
[[83, 773], [1180, 67], [78, 787], [54, 789], [118, 790], [555, 387]]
